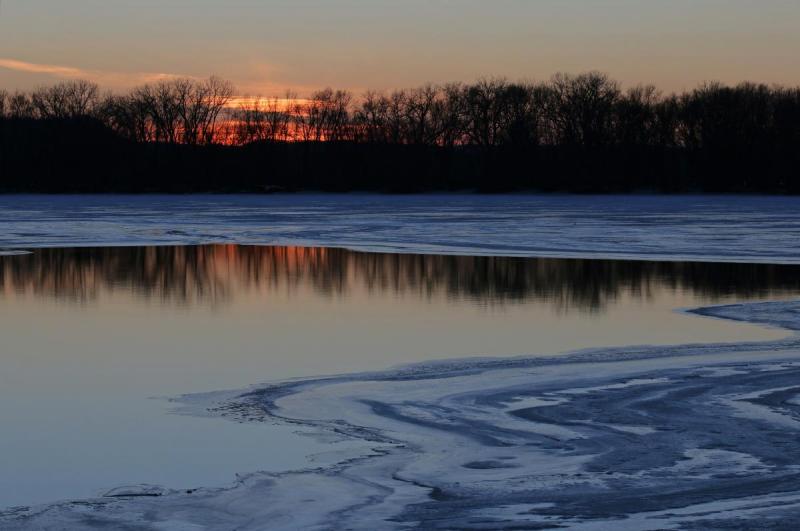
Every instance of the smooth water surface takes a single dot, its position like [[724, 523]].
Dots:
[[91, 335]]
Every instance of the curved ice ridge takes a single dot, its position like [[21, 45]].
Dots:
[[699, 436]]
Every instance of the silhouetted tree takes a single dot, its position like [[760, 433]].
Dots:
[[485, 108], [69, 99], [371, 118], [637, 121], [20, 106], [128, 116], [582, 108], [263, 119], [574, 132]]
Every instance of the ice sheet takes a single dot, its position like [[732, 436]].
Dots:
[[710, 228]]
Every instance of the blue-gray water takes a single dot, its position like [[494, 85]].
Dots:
[[90, 335]]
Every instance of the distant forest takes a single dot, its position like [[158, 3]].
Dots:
[[574, 133]]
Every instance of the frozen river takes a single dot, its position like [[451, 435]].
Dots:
[[134, 331], [717, 228]]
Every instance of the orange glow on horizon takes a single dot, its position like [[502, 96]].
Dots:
[[271, 103]]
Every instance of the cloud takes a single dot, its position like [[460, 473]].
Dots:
[[104, 77], [35, 68], [255, 85]]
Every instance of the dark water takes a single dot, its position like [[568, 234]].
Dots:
[[218, 274], [89, 335]]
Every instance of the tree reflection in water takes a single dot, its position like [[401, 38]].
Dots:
[[215, 274]]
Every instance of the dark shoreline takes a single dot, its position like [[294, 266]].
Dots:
[[83, 156], [575, 133]]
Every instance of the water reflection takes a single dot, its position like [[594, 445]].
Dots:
[[214, 274], [77, 383]]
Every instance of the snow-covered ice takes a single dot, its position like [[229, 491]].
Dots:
[[710, 228]]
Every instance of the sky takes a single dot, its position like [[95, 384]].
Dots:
[[266, 47]]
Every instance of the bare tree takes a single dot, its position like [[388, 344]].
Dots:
[[306, 116], [209, 100], [250, 124], [420, 108], [277, 117], [371, 118], [180, 110], [20, 106], [582, 108], [397, 130], [637, 118], [128, 116], [159, 103], [450, 116], [325, 116], [485, 107], [521, 114], [69, 99], [263, 119]]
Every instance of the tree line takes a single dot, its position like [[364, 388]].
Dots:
[[581, 133]]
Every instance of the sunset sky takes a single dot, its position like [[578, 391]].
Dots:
[[267, 46]]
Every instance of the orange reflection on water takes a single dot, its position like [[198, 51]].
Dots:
[[214, 274]]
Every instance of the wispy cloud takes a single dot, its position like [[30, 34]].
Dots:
[[35, 68], [108, 78], [258, 83]]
